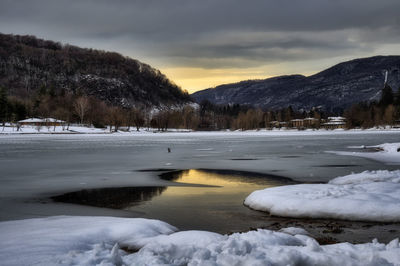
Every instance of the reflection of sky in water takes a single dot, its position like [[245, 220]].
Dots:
[[222, 184], [216, 207]]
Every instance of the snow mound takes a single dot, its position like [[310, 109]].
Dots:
[[66, 240], [387, 153], [368, 177], [70, 240], [261, 247], [367, 196]]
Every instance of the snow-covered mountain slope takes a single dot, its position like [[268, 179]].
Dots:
[[335, 88]]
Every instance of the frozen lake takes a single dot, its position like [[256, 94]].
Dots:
[[37, 167]]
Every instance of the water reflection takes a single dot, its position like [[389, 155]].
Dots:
[[201, 199], [217, 177], [220, 182], [115, 198], [218, 208]]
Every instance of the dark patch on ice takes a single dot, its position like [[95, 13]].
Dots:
[[246, 176], [244, 159], [115, 198], [326, 240], [156, 170], [290, 156], [337, 165], [368, 149]]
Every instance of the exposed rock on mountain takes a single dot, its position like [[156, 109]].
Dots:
[[333, 89], [28, 64]]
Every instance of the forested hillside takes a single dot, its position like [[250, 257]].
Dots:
[[29, 66]]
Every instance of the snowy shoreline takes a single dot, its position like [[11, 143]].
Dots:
[[77, 130], [77, 240]]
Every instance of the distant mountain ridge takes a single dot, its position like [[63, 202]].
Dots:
[[28, 63], [333, 89]]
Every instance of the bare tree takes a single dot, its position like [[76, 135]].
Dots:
[[81, 106], [62, 114], [115, 118], [188, 113], [138, 117]]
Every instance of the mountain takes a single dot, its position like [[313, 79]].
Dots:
[[28, 64], [333, 89]]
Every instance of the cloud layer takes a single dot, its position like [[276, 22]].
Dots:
[[213, 34]]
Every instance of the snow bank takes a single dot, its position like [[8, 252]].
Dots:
[[367, 196], [66, 240], [387, 153], [261, 247], [74, 240]]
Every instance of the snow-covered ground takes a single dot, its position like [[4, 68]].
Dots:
[[388, 153], [261, 247], [66, 240], [79, 129], [76, 129], [367, 196]]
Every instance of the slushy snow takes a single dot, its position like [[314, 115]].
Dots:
[[67, 240], [387, 153], [366, 196]]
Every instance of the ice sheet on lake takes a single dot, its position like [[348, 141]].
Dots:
[[387, 153], [367, 196], [70, 240]]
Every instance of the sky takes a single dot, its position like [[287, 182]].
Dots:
[[204, 43]]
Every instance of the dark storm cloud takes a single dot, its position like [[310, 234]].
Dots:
[[212, 33]]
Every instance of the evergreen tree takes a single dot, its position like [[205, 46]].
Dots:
[[20, 111], [289, 114], [397, 98], [387, 96]]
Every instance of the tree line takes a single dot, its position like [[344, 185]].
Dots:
[[88, 110], [386, 111]]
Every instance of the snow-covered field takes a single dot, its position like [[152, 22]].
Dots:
[[66, 240]]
